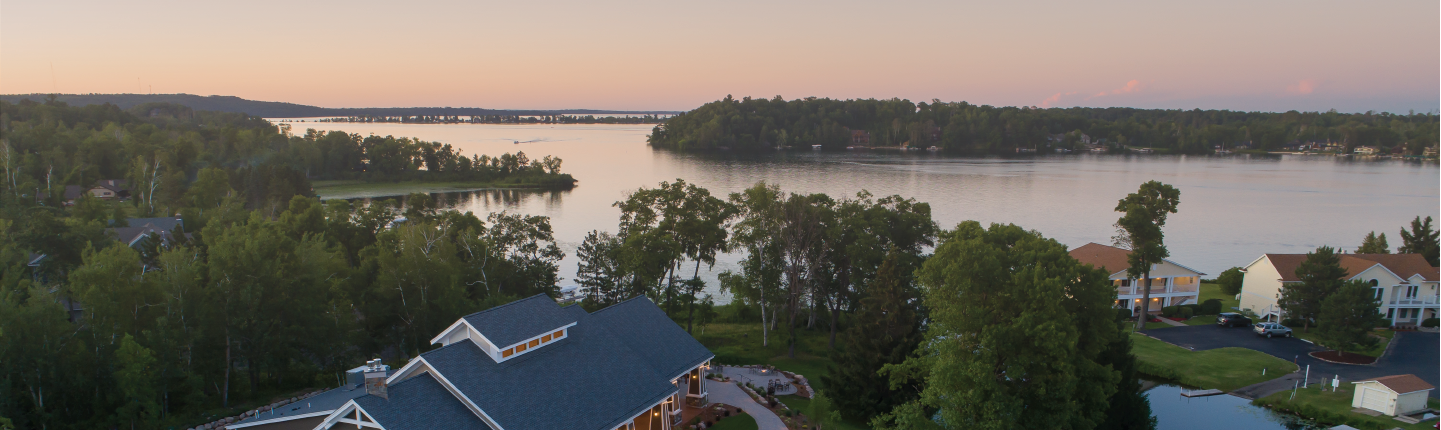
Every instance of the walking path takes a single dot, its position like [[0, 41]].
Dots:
[[1172, 322], [730, 394]]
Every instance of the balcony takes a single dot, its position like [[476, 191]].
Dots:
[[1186, 288], [1433, 300]]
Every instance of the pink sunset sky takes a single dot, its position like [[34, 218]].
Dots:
[[675, 55]]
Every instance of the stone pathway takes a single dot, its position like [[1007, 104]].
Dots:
[[730, 394], [756, 378]]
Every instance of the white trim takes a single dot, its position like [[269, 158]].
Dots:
[[499, 352], [1197, 272], [465, 400], [1253, 263], [340, 415], [647, 409], [450, 329], [281, 418], [1383, 267]]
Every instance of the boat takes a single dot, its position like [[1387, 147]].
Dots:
[[934, 149], [815, 147]]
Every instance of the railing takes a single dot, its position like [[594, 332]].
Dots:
[[1416, 301], [1122, 291], [1186, 288]]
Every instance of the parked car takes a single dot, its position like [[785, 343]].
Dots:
[[1269, 329], [1232, 319]]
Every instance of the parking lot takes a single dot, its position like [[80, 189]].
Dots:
[[1412, 352]]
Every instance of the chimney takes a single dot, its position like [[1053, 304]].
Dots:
[[375, 374]]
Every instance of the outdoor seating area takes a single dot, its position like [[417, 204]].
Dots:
[[775, 381]]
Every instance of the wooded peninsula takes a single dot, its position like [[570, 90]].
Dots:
[[755, 125]]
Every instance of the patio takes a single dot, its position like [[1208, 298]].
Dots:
[[759, 376]]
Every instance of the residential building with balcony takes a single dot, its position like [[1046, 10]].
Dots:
[[528, 364], [1404, 284], [1171, 284]]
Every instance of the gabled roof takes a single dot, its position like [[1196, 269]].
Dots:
[[642, 326], [587, 380], [1111, 259], [1403, 265], [320, 404], [420, 403], [1402, 384], [522, 319]]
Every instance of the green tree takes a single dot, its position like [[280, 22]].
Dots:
[[1231, 280], [1374, 245], [1128, 408], [886, 331], [1422, 239], [821, 413], [1140, 230], [1320, 275], [135, 377], [1015, 332], [1347, 318]]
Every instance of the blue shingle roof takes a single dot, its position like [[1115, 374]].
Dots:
[[643, 327], [323, 402], [611, 366], [516, 321], [420, 403]]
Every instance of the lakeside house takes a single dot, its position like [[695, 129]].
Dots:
[[1404, 284], [104, 189], [528, 364], [1171, 284], [1365, 150], [860, 137]]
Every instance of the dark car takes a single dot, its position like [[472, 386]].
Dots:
[[1232, 319]]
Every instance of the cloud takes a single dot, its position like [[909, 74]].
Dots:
[[1131, 87], [1050, 101], [1304, 87]]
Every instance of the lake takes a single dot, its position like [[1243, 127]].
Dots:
[[1174, 412], [1233, 208]]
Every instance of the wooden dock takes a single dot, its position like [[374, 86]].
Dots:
[[1201, 393]]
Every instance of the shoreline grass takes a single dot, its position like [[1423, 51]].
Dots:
[[1333, 408]]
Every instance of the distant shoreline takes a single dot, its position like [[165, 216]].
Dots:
[[357, 189], [266, 109]]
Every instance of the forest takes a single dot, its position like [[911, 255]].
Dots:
[[751, 125], [501, 119]]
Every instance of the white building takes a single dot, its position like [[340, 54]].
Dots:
[[1171, 284], [1392, 395], [1405, 284]]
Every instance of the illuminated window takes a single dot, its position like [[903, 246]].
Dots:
[[558, 333], [507, 352], [545, 338], [534, 343], [520, 348]]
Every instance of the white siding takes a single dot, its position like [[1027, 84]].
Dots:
[[1260, 286]]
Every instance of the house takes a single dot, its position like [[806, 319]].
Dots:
[[104, 188], [141, 228], [1392, 395], [528, 364], [1404, 284], [1365, 150], [860, 137], [1429, 152], [1171, 284]]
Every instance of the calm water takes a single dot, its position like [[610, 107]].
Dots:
[[1174, 412], [1233, 209]]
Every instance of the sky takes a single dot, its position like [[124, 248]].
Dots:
[[678, 54]]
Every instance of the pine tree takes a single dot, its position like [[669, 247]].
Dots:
[[1422, 239], [1320, 275], [1129, 410], [1347, 317], [1374, 245], [886, 331]]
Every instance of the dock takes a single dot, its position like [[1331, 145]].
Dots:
[[1201, 393]]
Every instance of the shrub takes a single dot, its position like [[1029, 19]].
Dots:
[[1187, 313], [1210, 307], [1124, 314], [1430, 322], [1292, 322], [1168, 311]]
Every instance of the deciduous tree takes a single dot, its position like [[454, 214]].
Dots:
[[1140, 230]]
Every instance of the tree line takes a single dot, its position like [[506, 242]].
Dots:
[[242, 307], [501, 119], [753, 125], [163, 151]]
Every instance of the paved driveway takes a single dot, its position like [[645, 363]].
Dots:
[[730, 394], [1412, 352]]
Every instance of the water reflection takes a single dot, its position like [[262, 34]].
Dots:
[[1174, 412], [482, 202]]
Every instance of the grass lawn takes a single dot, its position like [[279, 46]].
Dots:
[[741, 344], [1224, 369], [1200, 320], [352, 189], [1333, 408], [802, 404], [1374, 351], [736, 422], [1213, 291]]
